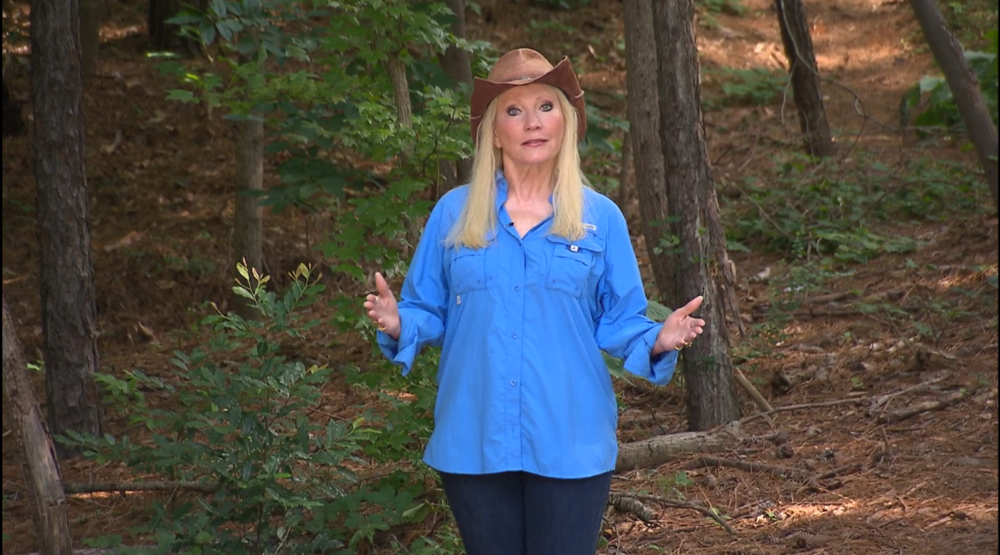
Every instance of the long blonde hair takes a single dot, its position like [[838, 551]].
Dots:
[[479, 215]]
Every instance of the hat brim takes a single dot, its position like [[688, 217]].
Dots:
[[561, 77]]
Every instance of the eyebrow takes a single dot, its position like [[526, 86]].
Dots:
[[543, 97]]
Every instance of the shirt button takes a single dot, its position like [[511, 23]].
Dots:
[[514, 335], [513, 382], [517, 288]]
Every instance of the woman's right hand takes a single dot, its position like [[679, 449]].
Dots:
[[382, 308]]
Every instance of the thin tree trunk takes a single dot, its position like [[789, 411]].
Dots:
[[964, 87], [166, 36], [90, 35], [247, 218], [457, 64], [12, 123], [644, 131], [67, 273], [396, 69], [701, 265], [805, 77], [41, 469]]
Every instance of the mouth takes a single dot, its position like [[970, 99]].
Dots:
[[534, 142]]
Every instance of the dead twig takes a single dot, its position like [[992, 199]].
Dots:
[[124, 487], [715, 462], [753, 417], [748, 387]]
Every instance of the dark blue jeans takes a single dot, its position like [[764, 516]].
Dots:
[[517, 513]]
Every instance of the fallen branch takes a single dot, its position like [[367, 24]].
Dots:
[[102, 550], [661, 449], [676, 504], [753, 417], [752, 391], [124, 487], [632, 506], [715, 462], [927, 406], [883, 400]]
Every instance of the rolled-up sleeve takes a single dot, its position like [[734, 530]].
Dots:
[[422, 302], [623, 330]]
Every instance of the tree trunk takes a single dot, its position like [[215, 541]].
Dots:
[[90, 35], [457, 64], [67, 273], [248, 215], [41, 470], [644, 131], [396, 69], [805, 77], [655, 451], [165, 36], [964, 87], [12, 122], [700, 264]]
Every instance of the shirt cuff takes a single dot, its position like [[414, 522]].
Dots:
[[658, 369], [400, 352]]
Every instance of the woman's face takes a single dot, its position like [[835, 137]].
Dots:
[[529, 125]]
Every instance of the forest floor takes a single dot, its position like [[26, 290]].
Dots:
[[161, 174]]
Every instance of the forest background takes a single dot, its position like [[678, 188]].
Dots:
[[867, 285]]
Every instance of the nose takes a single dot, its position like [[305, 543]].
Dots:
[[532, 122]]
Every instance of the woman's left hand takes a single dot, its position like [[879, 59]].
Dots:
[[680, 328]]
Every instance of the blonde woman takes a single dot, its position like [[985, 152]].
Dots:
[[523, 277]]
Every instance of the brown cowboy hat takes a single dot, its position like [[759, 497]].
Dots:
[[525, 66]]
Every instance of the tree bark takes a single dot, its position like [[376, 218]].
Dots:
[[805, 77], [396, 69], [165, 36], [657, 450], [644, 131], [90, 35], [964, 87], [41, 470], [700, 263], [248, 214], [67, 273], [457, 64]]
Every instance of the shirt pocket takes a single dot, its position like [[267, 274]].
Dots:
[[468, 270], [574, 264]]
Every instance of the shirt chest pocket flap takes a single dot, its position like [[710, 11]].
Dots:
[[575, 264], [468, 270]]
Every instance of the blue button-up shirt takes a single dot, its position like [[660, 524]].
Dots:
[[522, 384]]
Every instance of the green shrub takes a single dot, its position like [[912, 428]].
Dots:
[[932, 102], [239, 421]]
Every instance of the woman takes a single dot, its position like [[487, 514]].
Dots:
[[523, 277]]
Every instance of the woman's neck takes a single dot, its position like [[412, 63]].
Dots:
[[530, 183]]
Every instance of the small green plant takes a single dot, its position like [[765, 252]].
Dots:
[[932, 102], [843, 215], [857, 384], [730, 7], [742, 87]]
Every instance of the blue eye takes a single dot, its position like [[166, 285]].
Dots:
[[513, 111], [547, 107]]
